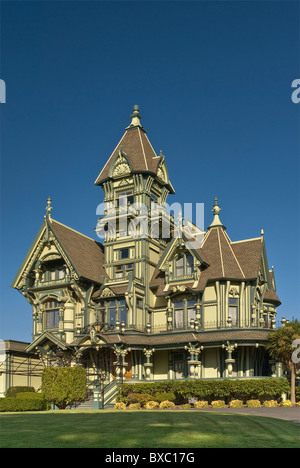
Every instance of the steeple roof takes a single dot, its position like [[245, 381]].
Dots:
[[137, 148]]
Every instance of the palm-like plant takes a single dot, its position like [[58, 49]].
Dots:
[[281, 347]]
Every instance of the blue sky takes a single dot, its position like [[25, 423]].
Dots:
[[213, 81]]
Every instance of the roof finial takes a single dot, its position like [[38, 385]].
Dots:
[[216, 210], [135, 116], [262, 232], [48, 208]]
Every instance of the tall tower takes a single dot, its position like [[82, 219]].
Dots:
[[136, 185]]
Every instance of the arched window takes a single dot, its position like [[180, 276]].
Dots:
[[51, 314]]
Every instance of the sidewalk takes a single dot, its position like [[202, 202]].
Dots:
[[289, 414]]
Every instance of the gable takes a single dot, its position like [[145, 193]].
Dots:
[[82, 255]]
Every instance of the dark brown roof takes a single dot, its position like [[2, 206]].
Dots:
[[138, 149], [169, 339], [271, 296], [226, 259], [85, 254]]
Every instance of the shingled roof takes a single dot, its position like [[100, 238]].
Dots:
[[136, 146], [85, 254], [226, 259]]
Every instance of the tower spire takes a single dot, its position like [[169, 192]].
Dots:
[[136, 117], [48, 208], [216, 221]]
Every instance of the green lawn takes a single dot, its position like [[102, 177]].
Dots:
[[144, 429]]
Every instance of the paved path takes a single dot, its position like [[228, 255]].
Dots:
[[289, 414]]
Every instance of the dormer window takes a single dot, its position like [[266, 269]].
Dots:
[[184, 265]]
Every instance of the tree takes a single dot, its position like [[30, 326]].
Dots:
[[64, 385], [281, 346]]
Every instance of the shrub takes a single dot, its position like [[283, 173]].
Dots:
[[236, 404], [141, 398], [10, 404], [64, 385], [166, 396], [218, 404], [167, 405], [134, 406], [120, 406], [253, 403], [286, 403], [185, 406], [13, 391], [298, 403], [270, 404], [210, 390], [201, 404], [151, 405]]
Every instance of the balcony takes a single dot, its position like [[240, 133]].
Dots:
[[163, 328]]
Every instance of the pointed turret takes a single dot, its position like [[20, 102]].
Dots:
[[216, 221], [138, 155]]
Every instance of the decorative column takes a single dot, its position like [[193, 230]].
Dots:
[[148, 353], [229, 361], [169, 316], [193, 363], [120, 362]]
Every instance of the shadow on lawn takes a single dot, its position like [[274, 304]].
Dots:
[[145, 429]]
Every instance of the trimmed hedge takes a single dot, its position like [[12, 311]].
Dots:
[[211, 390], [10, 404]]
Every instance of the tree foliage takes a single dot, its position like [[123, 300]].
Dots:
[[281, 346], [64, 385]]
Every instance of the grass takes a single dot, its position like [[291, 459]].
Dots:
[[144, 429]]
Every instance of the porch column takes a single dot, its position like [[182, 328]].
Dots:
[[148, 353], [229, 361], [120, 363], [193, 363]]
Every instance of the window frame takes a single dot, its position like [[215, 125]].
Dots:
[[51, 314], [188, 269], [233, 310], [186, 305]]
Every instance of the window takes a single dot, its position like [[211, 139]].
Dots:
[[189, 264], [117, 310], [233, 310], [122, 271], [119, 271], [124, 199], [54, 271], [112, 313], [184, 313], [51, 314], [184, 265], [123, 311], [179, 315], [180, 266], [191, 312], [124, 253]]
